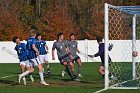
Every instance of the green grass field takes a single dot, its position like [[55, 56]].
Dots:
[[91, 81]]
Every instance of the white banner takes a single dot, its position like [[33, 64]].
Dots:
[[121, 51]]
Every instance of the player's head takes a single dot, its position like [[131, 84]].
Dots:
[[33, 33], [60, 36], [72, 36], [38, 36], [16, 40], [99, 39]]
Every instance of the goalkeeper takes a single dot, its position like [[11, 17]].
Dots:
[[101, 54]]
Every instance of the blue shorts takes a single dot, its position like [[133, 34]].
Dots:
[[109, 61]]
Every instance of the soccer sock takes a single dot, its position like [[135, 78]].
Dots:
[[48, 67], [30, 75], [41, 76], [103, 75], [68, 71], [43, 70], [25, 73], [23, 78], [73, 74]]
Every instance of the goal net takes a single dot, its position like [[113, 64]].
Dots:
[[122, 26]]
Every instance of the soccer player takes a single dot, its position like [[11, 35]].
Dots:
[[34, 53], [73, 46], [101, 54], [63, 54], [23, 58], [43, 50]]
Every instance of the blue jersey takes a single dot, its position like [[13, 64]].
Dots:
[[30, 42], [41, 46], [22, 52], [101, 53]]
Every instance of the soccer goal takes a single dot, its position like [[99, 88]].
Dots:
[[122, 26]]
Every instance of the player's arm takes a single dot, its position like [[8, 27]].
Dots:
[[53, 58], [17, 52], [67, 47], [15, 48], [77, 50], [47, 48], [100, 52], [53, 50], [35, 49], [67, 50], [77, 47]]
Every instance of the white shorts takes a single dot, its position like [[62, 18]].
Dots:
[[26, 63], [43, 58], [35, 62]]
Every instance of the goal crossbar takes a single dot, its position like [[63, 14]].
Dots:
[[128, 9]]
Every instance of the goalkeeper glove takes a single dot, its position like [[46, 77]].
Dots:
[[92, 56], [110, 47]]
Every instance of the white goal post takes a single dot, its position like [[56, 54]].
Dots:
[[122, 23]]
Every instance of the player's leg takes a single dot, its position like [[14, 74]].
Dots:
[[101, 70], [110, 74], [22, 65], [30, 67], [78, 61], [25, 73], [63, 61], [30, 75], [47, 63], [41, 59], [40, 68], [71, 65], [22, 68], [67, 68]]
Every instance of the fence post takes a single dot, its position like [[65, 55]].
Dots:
[[86, 50]]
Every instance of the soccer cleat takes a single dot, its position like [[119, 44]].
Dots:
[[63, 73], [31, 77], [44, 83], [113, 77], [92, 56], [49, 73], [76, 79], [24, 80], [110, 47], [19, 78], [79, 75]]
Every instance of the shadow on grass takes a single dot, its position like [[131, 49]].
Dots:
[[9, 82]]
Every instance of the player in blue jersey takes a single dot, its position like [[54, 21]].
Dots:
[[43, 50], [23, 58], [34, 54], [63, 54], [101, 53]]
